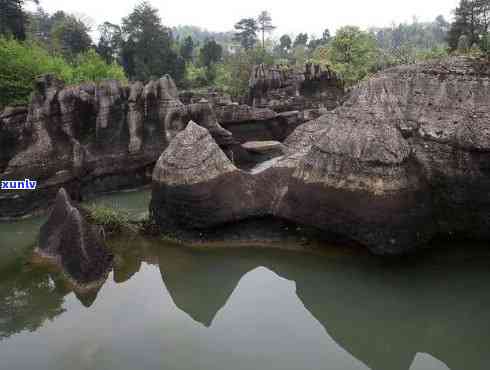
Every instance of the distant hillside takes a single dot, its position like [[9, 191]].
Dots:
[[199, 34]]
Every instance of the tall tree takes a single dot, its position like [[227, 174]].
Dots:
[[471, 20], [285, 42], [326, 36], [110, 41], [13, 18], [147, 52], [301, 39], [353, 53], [264, 22], [39, 26], [246, 33], [187, 49], [70, 36], [211, 53]]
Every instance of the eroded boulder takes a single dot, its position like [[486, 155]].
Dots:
[[195, 185], [403, 161], [92, 138]]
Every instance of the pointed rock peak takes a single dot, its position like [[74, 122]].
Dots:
[[193, 156], [62, 197], [168, 86]]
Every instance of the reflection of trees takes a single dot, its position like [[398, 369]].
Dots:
[[27, 299]]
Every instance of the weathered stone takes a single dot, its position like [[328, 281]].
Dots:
[[283, 89], [92, 138], [403, 160], [262, 147], [74, 244]]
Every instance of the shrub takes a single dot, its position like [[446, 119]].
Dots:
[[90, 66], [22, 62], [111, 219]]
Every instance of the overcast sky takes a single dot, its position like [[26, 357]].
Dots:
[[289, 17]]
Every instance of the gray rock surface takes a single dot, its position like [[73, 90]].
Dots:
[[91, 138], [284, 89], [404, 160]]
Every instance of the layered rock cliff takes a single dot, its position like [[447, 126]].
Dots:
[[284, 89], [404, 160], [91, 138]]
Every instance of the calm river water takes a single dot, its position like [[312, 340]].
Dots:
[[172, 307]]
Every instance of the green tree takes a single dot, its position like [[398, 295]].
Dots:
[[285, 42], [148, 50], [187, 49], [246, 33], [13, 19], [471, 19], [110, 42], [353, 53], [70, 36], [326, 36], [301, 39], [264, 22], [211, 53], [39, 27]]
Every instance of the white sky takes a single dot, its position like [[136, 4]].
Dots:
[[289, 17]]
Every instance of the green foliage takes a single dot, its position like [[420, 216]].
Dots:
[[148, 50], [12, 19], [472, 19], [353, 54], [70, 36], [210, 53], [416, 35], [264, 22], [110, 42], [301, 39], [195, 77], [233, 75], [21, 63], [246, 33], [90, 66], [111, 219], [187, 49]]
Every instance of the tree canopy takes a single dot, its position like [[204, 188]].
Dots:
[[246, 33], [147, 51]]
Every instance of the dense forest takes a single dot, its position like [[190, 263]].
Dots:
[[142, 47]]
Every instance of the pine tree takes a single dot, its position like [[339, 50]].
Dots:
[[264, 22]]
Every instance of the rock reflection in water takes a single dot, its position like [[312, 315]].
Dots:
[[430, 312]]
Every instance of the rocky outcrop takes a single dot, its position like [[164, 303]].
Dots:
[[91, 138], [283, 89], [12, 128], [247, 123], [74, 244], [196, 182], [404, 160]]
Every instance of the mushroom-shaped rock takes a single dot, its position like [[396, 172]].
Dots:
[[75, 244], [196, 186]]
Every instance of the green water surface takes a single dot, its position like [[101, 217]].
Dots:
[[172, 307]]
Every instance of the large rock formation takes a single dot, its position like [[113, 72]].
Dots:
[[91, 138], [284, 89], [74, 244], [404, 160]]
